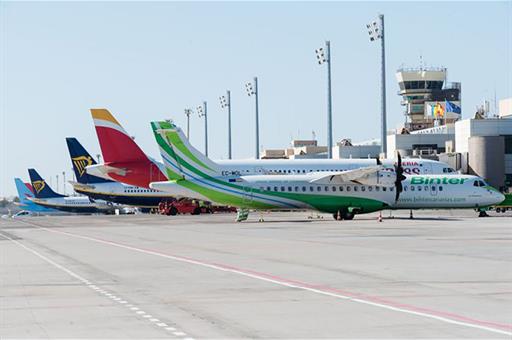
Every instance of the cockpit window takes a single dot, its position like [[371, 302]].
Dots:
[[479, 184]]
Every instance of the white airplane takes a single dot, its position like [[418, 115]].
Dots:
[[46, 197], [125, 162], [342, 193]]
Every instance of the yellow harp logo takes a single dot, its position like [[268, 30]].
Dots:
[[38, 186], [81, 162]]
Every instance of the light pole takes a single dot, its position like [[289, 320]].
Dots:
[[202, 111], [324, 56], [188, 112], [225, 102], [252, 89], [376, 31], [64, 181], [57, 182]]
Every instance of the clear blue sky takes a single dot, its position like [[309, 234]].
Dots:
[[147, 61]]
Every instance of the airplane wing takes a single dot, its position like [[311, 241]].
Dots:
[[348, 176]]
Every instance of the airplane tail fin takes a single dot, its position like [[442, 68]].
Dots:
[[24, 191], [82, 159], [41, 188], [116, 145], [181, 159]]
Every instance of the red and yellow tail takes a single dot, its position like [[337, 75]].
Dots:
[[121, 152]]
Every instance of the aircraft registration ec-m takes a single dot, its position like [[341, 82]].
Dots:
[[341, 193]]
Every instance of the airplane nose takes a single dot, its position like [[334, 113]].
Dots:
[[499, 197]]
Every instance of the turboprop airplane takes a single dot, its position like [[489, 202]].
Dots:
[[25, 193], [341, 193], [108, 190], [125, 162], [46, 197]]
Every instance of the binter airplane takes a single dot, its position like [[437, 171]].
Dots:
[[341, 193], [108, 190], [46, 197], [124, 160]]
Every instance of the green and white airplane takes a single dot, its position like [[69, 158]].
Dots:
[[342, 194]]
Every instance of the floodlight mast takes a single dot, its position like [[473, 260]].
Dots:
[[252, 89], [188, 112], [376, 31], [202, 111], [225, 102], [324, 56]]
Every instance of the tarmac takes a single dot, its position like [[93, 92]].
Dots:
[[444, 274]]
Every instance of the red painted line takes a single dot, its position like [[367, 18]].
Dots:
[[318, 287]]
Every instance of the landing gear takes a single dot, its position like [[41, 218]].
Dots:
[[483, 213], [343, 214]]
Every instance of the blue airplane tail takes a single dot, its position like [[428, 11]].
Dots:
[[41, 188], [23, 192], [81, 159]]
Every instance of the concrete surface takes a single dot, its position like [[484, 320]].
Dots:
[[442, 275]]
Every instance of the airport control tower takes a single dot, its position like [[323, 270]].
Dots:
[[428, 99]]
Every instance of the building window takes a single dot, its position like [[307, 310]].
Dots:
[[508, 144]]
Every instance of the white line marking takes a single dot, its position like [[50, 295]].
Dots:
[[140, 312], [170, 328], [134, 308], [162, 324], [188, 338], [282, 283], [154, 320], [147, 316], [179, 333], [123, 302]]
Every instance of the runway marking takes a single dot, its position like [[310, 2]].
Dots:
[[179, 333], [170, 328], [161, 324], [446, 317], [86, 282]]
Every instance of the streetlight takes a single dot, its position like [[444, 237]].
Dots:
[[188, 112], [202, 111], [57, 182], [225, 102], [252, 89], [324, 56], [376, 31]]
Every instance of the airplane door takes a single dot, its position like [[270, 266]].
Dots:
[[247, 193]]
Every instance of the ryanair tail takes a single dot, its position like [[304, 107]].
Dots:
[[82, 159], [116, 145], [41, 188], [182, 160]]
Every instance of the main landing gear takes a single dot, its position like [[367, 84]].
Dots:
[[343, 214]]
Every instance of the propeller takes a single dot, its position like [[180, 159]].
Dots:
[[399, 171]]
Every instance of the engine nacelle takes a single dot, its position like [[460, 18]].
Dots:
[[380, 178]]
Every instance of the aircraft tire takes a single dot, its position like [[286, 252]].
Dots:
[[173, 211]]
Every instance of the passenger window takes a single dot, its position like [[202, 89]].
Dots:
[[370, 188], [348, 188], [377, 188], [391, 189], [296, 188], [433, 188], [356, 188], [384, 189], [333, 188], [311, 189], [419, 188], [275, 188], [412, 188], [326, 188], [341, 188], [318, 188], [303, 188], [363, 188], [268, 188], [440, 188], [426, 187], [289, 188]]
